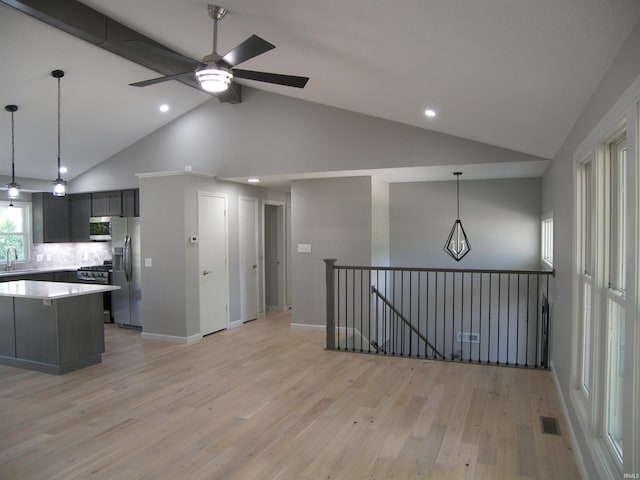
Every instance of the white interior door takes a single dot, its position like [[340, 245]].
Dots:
[[212, 261], [248, 232]]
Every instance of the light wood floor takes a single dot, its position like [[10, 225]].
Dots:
[[264, 401]]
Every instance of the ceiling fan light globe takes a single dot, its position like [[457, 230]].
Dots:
[[214, 79]]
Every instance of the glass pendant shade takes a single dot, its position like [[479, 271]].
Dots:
[[457, 244], [13, 189], [59, 187]]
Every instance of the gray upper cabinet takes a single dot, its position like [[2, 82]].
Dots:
[[80, 211], [106, 204], [66, 219], [130, 203], [51, 218]]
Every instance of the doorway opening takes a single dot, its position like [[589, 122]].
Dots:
[[277, 255]]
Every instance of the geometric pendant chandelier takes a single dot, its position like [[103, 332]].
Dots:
[[457, 244]]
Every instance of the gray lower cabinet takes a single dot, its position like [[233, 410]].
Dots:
[[55, 336]]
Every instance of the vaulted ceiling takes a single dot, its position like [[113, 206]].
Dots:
[[514, 74]]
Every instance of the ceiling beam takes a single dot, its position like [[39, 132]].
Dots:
[[88, 24]]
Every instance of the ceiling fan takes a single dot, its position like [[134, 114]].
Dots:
[[215, 73]]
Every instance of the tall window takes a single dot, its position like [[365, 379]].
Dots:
[[585, 274], [15, 230], [615, 295], [546, 242]]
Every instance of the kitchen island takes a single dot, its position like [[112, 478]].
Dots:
[[52, 327]]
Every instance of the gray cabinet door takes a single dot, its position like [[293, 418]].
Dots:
[[106, 204], [80, 211], [51, 217]]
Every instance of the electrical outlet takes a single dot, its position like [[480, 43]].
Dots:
[[48, 257]]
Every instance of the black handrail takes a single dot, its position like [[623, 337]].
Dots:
[[495, 316], [406, 322]]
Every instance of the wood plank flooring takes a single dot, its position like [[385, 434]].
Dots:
[[264, 401]]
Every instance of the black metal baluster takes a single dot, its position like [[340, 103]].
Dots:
[[480, 320], [471, 320], [418, 326], [508, 313], [526, 351], [435, 318], [490, 298], [426, 317], [518, 320], [362, 309], [346, 309], [499, 312], [410, 311], [444, 316]]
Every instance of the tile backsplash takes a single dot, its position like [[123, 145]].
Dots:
[[68, 254]]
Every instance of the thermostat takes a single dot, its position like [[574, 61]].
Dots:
[[193, 239]]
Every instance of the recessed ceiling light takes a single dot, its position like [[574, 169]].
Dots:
[[63, 170], [253, 180], [430, 113], [164, 107]]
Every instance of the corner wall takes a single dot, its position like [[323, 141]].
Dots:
[[334, 217], [558, 197]]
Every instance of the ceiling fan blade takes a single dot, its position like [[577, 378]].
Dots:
[[153, 81], [278, 79], [251, 47]]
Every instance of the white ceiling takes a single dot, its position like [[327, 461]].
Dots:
[[510, 73]]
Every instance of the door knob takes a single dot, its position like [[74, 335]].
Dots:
[[206, 272], [255, 266]]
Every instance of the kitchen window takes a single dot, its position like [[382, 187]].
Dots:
[[15, 230]]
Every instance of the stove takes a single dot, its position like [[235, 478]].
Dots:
[[99, 274]]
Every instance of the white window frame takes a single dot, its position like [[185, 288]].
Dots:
[[623, 117], [27, 234], [546, 240]]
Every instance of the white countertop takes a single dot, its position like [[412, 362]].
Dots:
[[50, 290], [18, 270]]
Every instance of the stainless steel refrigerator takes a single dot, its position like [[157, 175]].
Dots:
[[126, 303]]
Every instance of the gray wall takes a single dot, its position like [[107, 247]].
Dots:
[[501, 219], [379, 222], [558, 196], [272, 134], [334, 216], [168, 210]]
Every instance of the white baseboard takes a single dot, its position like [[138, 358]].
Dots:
[[308, 326], [171, 338], [572, 433], [236, 324]]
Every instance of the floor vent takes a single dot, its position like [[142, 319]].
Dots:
[[550, 425]]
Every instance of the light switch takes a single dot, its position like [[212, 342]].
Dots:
[[304, 248], [148, 262]]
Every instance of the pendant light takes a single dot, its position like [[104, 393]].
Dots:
[[13, 189], [457, 242], [59, 185]]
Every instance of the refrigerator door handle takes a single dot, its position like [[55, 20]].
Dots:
[[126, 259]]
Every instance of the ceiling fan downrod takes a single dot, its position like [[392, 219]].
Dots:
[[216, 13]]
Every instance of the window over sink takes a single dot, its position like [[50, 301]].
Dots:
[[15, 230]]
